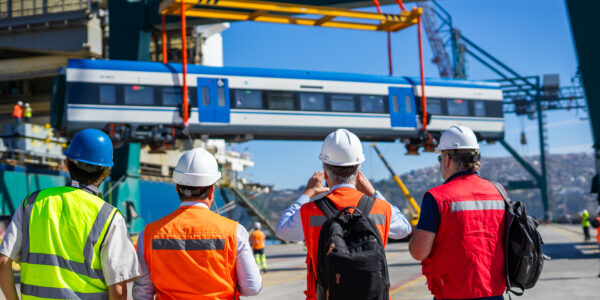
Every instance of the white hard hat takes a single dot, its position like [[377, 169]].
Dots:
[[342, 148], [257, 225], [196, 167], [457, 137], [26, 104], [20, 102]]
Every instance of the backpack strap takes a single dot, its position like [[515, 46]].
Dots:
[[365, 204], [502, 192], [507, 206], [327, 207]]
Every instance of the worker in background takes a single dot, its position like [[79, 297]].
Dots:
[[18, 111], [70, 243], [585, 223], [461, 226], [28, 113], [341, 155], [194, 253], [257, 240]]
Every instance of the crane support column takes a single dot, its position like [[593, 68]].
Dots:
[[584, 20]]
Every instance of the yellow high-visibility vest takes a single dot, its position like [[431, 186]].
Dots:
[[63, 228]]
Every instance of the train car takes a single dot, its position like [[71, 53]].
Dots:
[[250, 103]]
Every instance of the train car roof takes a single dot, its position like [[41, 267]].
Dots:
[[123, 65], [231, 71], [455, 83]]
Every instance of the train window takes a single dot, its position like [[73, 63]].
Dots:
[[171, 96], [139, 95], [205, 96], [493, 109], [248, 99], [312, 101], [458, 107], [395, 103], [221, 96], [372, 104], [434, 106], [479, 108], [280, 100], [408, 103], [343, 103], [108, 94]]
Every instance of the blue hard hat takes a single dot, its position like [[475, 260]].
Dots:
[[91, 146]]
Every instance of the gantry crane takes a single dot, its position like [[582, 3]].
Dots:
[[413, 207]]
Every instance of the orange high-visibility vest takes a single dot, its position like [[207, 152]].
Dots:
[[191, 255], [257, 240], [17, 111], [313, 218]]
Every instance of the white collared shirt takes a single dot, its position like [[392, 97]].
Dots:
[[289, 226], [248, 274]]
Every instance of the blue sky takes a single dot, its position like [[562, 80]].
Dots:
[[533, 37]]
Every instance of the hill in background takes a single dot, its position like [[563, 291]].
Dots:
[[569, 182]]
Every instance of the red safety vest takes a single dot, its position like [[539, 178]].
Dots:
[[313, 218], [467, 257], [598, 231], [191, 255]]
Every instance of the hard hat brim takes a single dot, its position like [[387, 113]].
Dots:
[[346, 164], [199, 180], [439, 150], [101, 164]]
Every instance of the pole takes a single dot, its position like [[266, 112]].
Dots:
[[184, 64], [543, 178]]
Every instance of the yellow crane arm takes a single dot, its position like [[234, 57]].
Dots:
[[414, 208]]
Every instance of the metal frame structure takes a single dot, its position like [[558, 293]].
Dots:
[[285, 13]]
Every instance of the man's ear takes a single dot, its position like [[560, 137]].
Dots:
[[211, 193]]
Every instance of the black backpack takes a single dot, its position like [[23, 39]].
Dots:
[[351, 261], [522, 246]]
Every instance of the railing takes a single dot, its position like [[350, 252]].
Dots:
[[25, 8]]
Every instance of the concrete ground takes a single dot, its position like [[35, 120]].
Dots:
[[571, 274]]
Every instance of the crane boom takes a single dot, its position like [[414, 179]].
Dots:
[[414, 208]]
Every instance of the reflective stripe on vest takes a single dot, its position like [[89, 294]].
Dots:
[[59, 293], [188, 245], [476, 205], [90, 280]]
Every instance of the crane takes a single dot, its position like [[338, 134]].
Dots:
[[413, 207]]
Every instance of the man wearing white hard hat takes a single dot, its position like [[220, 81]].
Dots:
[[194, 253], [342, 155], [461, 226]]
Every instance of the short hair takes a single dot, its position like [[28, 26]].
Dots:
[[187, 192], [342, 174], [85, 173], [465, 160]]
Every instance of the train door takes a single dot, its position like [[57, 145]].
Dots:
[[213, 100], [402, 107]]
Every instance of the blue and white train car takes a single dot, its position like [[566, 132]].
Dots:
[[230, 102]]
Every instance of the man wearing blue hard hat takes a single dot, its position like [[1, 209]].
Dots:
[[70, 243]]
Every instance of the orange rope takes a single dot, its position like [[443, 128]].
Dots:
[[184, 64], [164, 41], [423, 97], [401, 5]]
